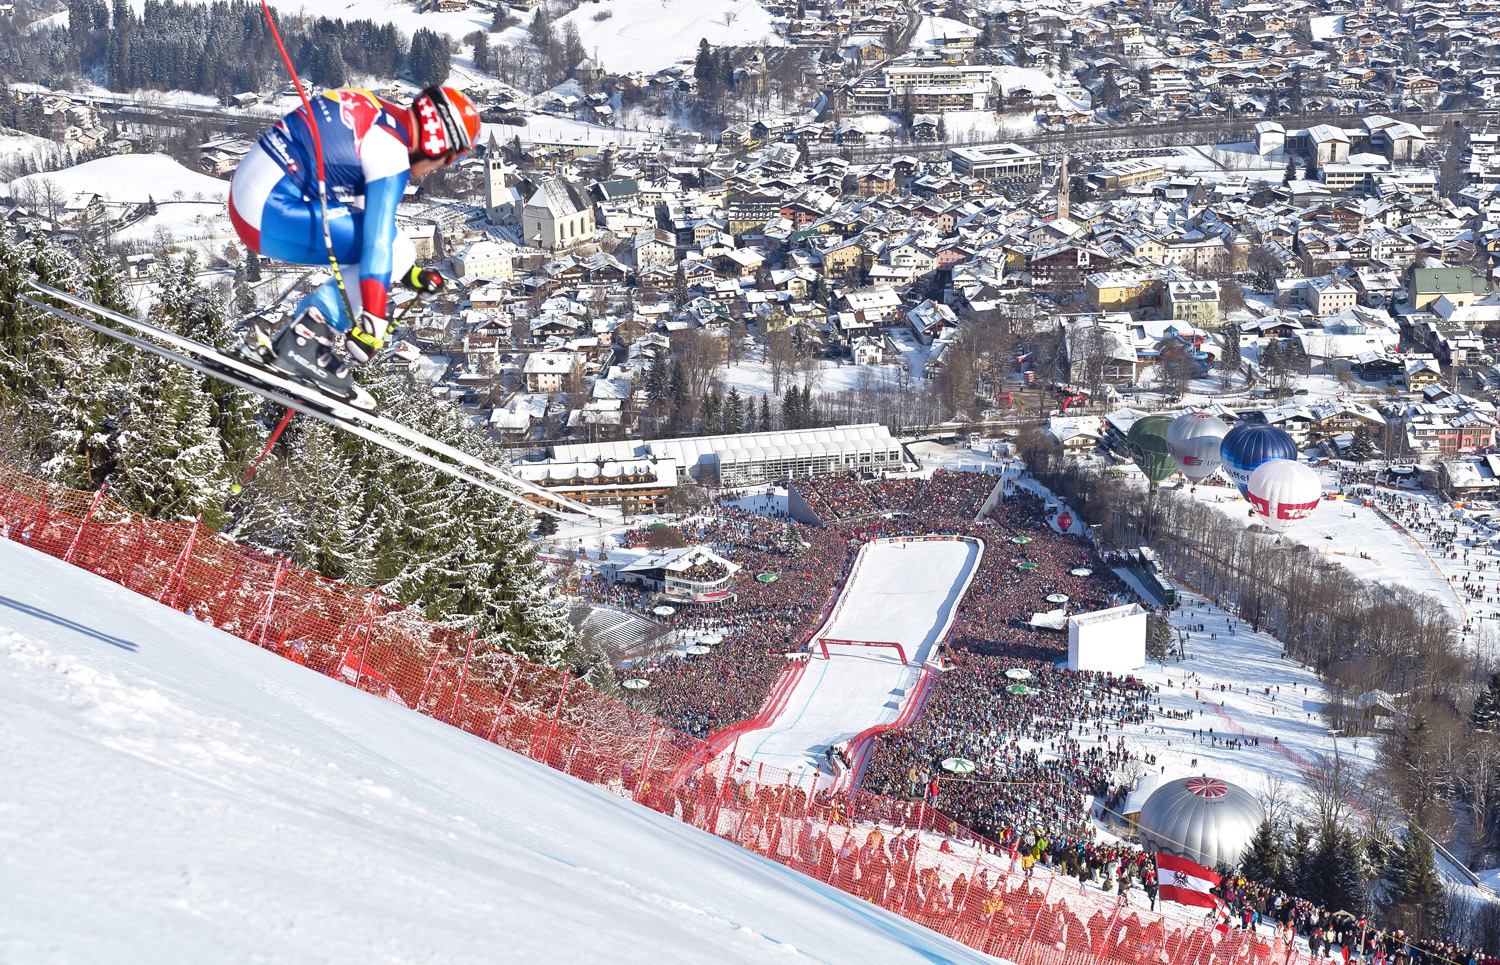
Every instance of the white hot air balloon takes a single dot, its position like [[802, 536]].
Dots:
[[1194, 439], [1284, 492]]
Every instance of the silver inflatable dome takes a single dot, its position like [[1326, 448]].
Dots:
[[1202, 819]]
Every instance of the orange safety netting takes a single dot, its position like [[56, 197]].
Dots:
[[903, 856]]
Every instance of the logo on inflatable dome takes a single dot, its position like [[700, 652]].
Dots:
[[1288, 511], [1207, 787]]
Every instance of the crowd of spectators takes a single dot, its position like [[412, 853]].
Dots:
[[1036, 755], [837, 496], [703, 571], [760, 621], [996, 614], [945, 495]]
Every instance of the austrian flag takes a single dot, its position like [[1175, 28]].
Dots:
[[1184, 882]]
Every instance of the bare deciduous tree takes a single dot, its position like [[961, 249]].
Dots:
[[1275, 799]]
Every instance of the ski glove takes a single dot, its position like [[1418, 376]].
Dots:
[[365, 338], [428, 284]]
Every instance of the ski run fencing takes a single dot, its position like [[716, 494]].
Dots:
[[903, 856]]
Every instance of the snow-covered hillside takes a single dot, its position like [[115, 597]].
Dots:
[[172, 793], [131, 178], [648, 35], [1009, 79]]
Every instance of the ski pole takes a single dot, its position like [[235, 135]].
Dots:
[[236, 488], [312, 127]]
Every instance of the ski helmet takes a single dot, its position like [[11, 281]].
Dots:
[[447, 123]]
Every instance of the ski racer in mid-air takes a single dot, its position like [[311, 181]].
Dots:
[[371, 149]]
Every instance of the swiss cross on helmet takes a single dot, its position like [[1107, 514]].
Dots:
[[447, 124]]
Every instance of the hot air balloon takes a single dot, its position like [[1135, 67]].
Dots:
[[1246, 447], [1147, 441], [1204, 819], [1194, 438], [1284, 492]]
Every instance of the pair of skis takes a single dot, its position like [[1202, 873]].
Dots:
[[276, 386]]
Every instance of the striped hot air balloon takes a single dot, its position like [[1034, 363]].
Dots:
[[1246, 447]]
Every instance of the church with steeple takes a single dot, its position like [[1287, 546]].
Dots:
[[1063, 209], [503, 200]]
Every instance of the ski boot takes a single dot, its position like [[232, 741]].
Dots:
[[258, 343], [306, 351]]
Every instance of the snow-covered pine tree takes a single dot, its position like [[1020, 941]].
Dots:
[[790, 543], [1414, 887], [308, 503], [1264, 859], [1334, 873], [1362, 448], [734, 412], [169, 464], [1486, 713], [244, 298], [1298, 859], [59, 384], [180, 436], [658, 379], [710, 414], [186, 307], [463, 556]]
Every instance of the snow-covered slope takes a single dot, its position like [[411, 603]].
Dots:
[[132, 178], [171, 793], [648, 35], [1036, 81], [901, 592]]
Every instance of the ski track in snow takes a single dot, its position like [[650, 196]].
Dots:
[[175, 794], [903, 593]]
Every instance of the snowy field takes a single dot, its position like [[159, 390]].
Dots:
[[15, 145], [131, 179], [1228, 653], [1222, 683], [648, 35], [1358, 538], [546, 128], [1038, 82], [189, 205], [175, 794], [903, 593], [1415, 539], [752, 376]]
